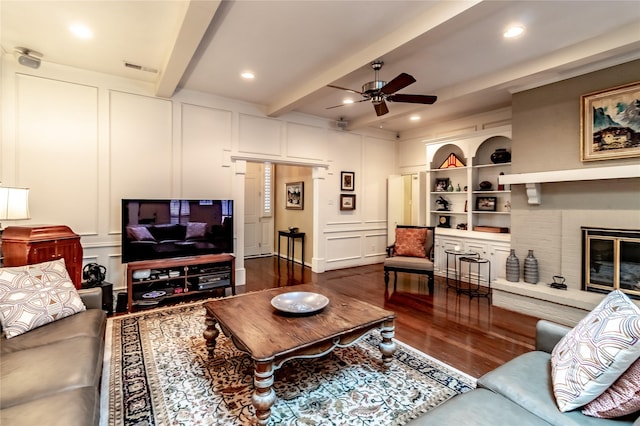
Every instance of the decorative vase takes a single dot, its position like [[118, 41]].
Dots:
[[450, 187], [531, 269], [501, 155], [485, 185], [513, 267]]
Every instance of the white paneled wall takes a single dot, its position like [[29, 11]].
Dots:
[[206, 137], [82, 141], [140, 145], [53, 154]]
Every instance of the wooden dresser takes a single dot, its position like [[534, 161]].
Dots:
[[25, 245]]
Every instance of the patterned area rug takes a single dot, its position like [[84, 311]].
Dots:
[[157, 372]]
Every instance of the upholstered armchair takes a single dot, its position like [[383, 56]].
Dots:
[[412, 252]]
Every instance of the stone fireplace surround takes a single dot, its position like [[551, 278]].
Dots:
[[556, 239]]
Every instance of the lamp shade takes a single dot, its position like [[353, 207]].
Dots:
[[14, 203]]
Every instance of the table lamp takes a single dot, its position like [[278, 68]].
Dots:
[[14, 204]]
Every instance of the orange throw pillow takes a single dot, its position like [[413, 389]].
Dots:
[[410, 242]]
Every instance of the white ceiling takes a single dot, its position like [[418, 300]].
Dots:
[[454, 49]]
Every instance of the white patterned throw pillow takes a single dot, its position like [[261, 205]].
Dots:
[[35, 295], [596, 352]]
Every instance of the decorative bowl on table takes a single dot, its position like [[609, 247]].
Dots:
[[299, 302], [293, 229]]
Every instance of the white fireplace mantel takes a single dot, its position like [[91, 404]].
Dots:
[[533, 180]]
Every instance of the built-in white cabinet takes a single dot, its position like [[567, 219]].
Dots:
[[469, 198], [477, 218], [494, 250]]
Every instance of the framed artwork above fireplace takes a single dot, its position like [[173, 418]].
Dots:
[[609, 124]]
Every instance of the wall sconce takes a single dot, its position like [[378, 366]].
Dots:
[[14, 204]]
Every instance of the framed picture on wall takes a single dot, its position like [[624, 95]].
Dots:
[[347, 202], [609, 123], [294, 193], [347, 181]]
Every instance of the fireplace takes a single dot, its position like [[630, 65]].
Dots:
[[611, 260]]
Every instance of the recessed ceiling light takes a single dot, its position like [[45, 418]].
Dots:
[[414, 118], [513, 31], [81, 31], [248, 75], [347, 101]]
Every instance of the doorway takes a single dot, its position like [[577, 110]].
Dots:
[[405, 201]]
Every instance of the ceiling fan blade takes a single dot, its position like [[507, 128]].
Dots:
[[413, 99], [344, 88], [400, 82], [381, 108], [355, 102]]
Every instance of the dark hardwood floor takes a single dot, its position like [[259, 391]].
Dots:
[[468, 334]]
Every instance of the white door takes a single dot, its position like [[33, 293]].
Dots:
[[258, 220], [395, 206], [252, 208]]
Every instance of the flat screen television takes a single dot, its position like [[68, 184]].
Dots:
[[161, 229]]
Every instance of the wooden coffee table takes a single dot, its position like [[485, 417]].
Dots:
[[271, 338]]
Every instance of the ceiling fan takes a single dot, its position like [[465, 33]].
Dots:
[[378, 91]]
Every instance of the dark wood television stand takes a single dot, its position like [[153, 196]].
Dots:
[[153, 283]]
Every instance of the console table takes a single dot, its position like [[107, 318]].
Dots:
[[291, 239]]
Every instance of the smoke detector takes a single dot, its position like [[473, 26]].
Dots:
[[27, 57]]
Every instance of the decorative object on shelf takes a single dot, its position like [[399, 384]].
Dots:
[[347, 181], [486, 204], [507, 206], [450, 187], [444, 222], [293, 229], [294, 192], [442, 184], [530, 269], [494, 229], [443, 205], [347, 202], [458, 188], [513, 267], [558, 282], [607, 131], [452, 162], [485, 185], [500, 185], [500, 156], [462, 226], [465, 205]]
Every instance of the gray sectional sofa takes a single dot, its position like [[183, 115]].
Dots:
[[51, 375], [516, 393]]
